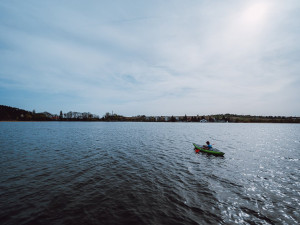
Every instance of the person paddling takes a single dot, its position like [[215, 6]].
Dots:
[[208, 146]]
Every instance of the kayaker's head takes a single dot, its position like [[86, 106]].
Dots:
[[207, 142]]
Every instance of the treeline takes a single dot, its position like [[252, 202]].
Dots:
[[8, 113], [219, 118], [77, 116], [261, 119], [14, 114]]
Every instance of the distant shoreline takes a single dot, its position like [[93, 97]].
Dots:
[[11, 114], [100, 121]]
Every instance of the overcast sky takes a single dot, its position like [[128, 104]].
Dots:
[[151, 57]]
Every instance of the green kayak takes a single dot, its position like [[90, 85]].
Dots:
[[199, 148]]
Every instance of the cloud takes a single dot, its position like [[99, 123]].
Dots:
[[155, 57]]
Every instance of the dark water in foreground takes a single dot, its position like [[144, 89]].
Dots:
[[148, 173]]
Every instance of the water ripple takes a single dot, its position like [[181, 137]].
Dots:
[[148, 173]]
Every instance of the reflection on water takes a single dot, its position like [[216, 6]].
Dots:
[[148, 173]]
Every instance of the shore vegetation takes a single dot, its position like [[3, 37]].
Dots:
[[8, 113]]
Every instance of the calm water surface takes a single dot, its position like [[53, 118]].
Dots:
[[148, 173]]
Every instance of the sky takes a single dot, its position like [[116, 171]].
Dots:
[[132, 57]]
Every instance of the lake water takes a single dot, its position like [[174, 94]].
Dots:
[[148, 173]]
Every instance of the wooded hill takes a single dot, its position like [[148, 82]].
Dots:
[[8, 113]]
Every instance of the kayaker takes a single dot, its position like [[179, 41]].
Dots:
[[208, 146]]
